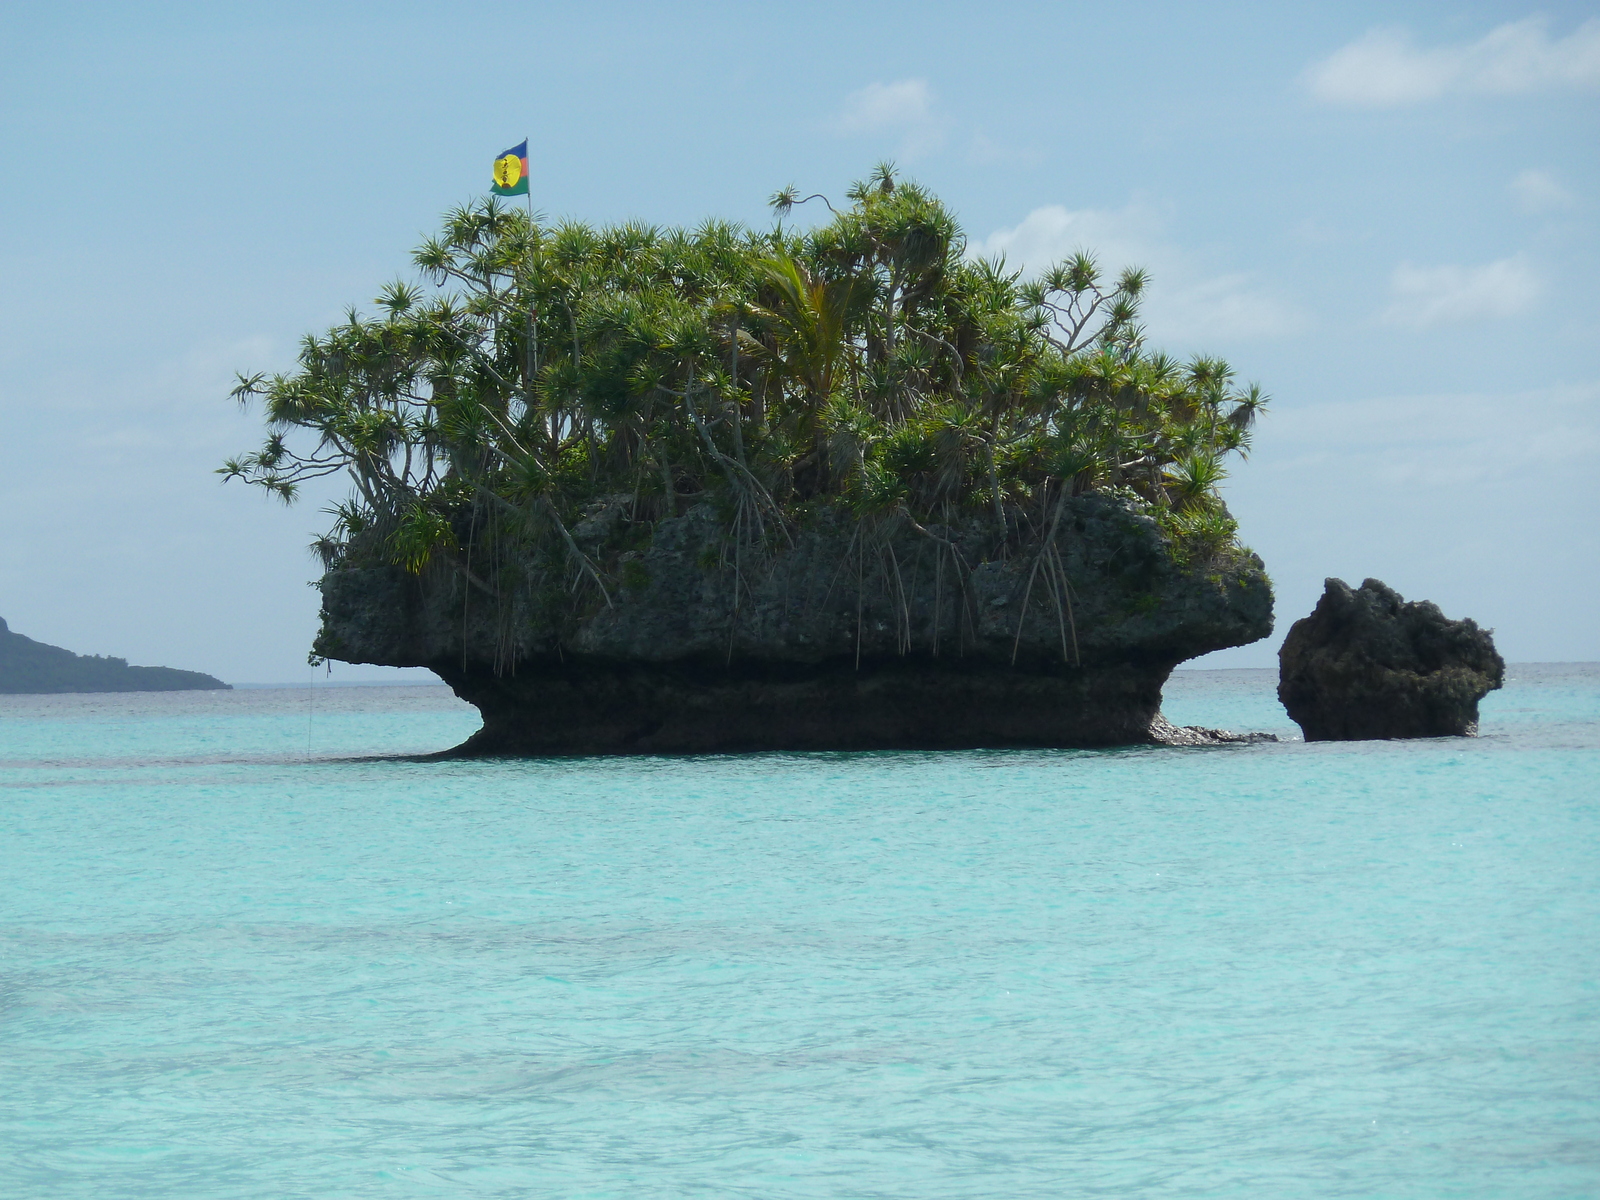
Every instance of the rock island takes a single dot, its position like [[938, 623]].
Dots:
[[637, 490]]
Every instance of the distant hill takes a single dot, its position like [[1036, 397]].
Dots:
[[27, 666]]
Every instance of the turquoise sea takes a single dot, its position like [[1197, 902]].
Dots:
[[250, 948]]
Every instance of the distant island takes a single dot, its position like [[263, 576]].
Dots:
[[30, 667]]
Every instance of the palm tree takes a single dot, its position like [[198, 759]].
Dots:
[[534, 371]]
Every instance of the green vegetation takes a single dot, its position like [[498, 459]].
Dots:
[[541, 375]]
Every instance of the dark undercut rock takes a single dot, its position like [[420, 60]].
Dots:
[[1368, 664]]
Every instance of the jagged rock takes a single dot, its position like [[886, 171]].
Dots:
[[844, 636], [1367, 664], [1164, 733]]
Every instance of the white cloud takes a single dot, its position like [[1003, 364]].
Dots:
[[1448, 440], [1186, 301], [1383, 69], [1049, 234], [886, 106], [181, 406], [905, 108], [1226, 306], [985, 151], [1539, 192], [1425, 296]]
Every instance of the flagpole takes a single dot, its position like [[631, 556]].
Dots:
[[533, 316]]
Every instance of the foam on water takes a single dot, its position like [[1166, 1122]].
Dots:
[[230, 967]]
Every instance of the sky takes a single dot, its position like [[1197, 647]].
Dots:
[[1388, 215]]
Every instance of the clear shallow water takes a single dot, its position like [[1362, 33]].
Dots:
[[230, 969]]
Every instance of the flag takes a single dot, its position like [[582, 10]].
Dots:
[[511, 171]]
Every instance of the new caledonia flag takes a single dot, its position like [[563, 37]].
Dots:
[[511, 171]]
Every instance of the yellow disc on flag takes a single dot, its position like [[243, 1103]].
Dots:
[[507, 171]]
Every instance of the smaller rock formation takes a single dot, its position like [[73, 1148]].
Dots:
[[1164, 733], [1366, 664]]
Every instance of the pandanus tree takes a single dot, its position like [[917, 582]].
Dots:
[[537, 374]]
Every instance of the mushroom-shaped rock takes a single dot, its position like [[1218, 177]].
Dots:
[[1367, 664], [837, 637]]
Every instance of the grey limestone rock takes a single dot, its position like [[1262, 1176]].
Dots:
[[842, 635], [1367, 664]]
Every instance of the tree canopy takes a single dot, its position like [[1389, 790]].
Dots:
[[534, 371]]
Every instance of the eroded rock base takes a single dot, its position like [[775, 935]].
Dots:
[[843, 636], [588, 708]]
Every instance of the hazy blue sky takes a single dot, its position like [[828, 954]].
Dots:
[[1386, 214]]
